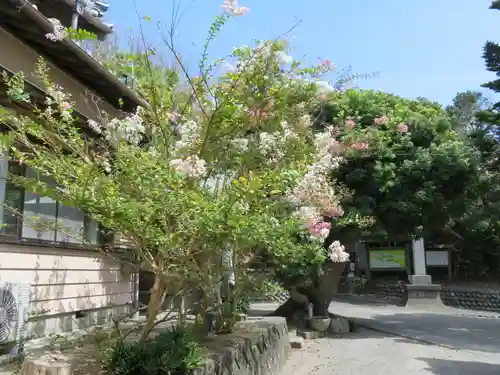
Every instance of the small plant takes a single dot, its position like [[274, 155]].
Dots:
[[171, 353], [271, 289], [243, 304], [61, 342], [360, 281]]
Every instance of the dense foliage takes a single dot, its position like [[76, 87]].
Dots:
[[408, 168]]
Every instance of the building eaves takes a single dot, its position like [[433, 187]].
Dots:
[[30, 26]]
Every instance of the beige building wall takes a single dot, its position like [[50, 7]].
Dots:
[[18, 57], [70, 288]]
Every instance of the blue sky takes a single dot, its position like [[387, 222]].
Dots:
[[429, 48]]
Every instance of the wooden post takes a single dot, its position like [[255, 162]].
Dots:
[[450, 271], [47, 365]]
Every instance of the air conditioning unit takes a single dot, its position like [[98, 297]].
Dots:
[[14, 307]]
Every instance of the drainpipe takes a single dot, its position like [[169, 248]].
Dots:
[[77, 10]]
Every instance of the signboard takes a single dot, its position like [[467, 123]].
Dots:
[[436, 258], [387, 258]]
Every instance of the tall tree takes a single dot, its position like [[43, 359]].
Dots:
[[479, 247], [491, 56], [464, 109]]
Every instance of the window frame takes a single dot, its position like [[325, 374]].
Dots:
[[17, 235]]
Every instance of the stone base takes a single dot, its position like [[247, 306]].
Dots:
[[338, 325], [423, 296], [420, 279]]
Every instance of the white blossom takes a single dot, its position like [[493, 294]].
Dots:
[[59, 32], [308, 214], [315, 189], [269, 146], [264, 50], [283, 58], [189, 134], [56, 95], [191, 166], [129, 129], [241, 144], [305, 121], [324, 87], [338, 253], [227, 67], [94, 126], [288, 133]]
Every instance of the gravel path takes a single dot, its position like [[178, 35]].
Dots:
[[368, 352]]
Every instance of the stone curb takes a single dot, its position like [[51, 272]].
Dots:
[[258, 345], [452, 296]]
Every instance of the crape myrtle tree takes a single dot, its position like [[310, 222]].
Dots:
[[212, 165]]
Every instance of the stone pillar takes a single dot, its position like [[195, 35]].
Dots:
[[421, 293], [419, 276]]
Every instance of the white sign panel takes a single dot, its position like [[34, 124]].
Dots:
[[436, 258]]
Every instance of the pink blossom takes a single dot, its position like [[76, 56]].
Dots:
[[380, 120], [232, 7], [65, 106], [326, 63], [319, 229], [258, 114], [350, 123], [242, 11], [360, 146], [402, 128]]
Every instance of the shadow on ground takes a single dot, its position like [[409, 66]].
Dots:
[[360, 331], [448, 367], [363, 300]]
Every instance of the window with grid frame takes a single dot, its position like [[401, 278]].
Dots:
[[65, 224]]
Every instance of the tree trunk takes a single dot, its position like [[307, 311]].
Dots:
[[156, 298], [320, 294]]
